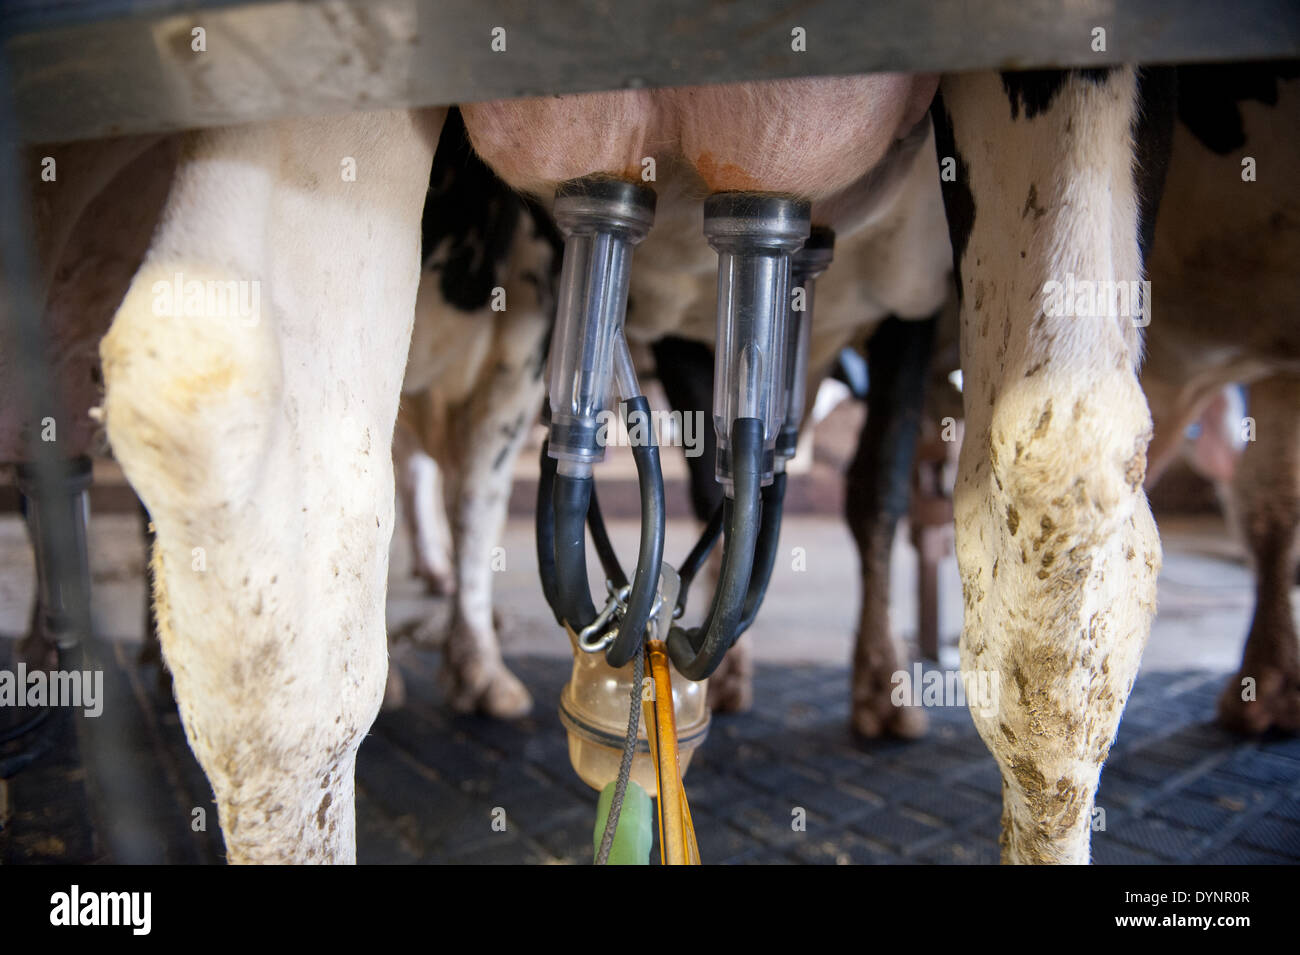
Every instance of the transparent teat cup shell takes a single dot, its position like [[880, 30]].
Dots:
[[755, 236], [594, 708], [807, 264], [602, 221]]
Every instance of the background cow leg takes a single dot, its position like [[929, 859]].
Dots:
[[260, 443], [878, 487], [1056, 546], [1172, 410], [486, 434], [420, 484], [731, 685], [1266, 502]]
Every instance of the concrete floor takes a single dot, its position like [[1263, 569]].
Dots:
[[1176, 789]]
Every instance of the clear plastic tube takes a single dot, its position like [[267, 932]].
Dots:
[[755, 236], [808, 263], [603, 220]]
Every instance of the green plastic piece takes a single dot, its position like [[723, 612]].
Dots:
[[634, 835]]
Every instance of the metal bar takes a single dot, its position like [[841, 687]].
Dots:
[[23, 339], [103, 740], [87, 68]]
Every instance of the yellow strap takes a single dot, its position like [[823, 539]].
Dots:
[[676, 830], [652, 737]]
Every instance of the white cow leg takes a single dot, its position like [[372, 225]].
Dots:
[[435, 540], [1056, 545], [421, 485], [487, 435], [260, 445]]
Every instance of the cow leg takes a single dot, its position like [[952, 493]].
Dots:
[[1172, 410], [731, 685], [1266, 499], [877, 494], [486, 436], [1056, 546], [420, 484], [260, 445]]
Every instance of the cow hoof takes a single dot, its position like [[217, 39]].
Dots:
[[731, 685], [731, 693], [496, 693], [505, 697], [873, 721], [394, 690], [1275, 704]]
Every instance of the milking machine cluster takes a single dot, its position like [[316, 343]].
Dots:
[[766, 249]]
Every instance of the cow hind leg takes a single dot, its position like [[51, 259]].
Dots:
[[1266, 499], [731, 685], [487, 435], [878, 487], [420, 484], [1056, 546], [252, 409]]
